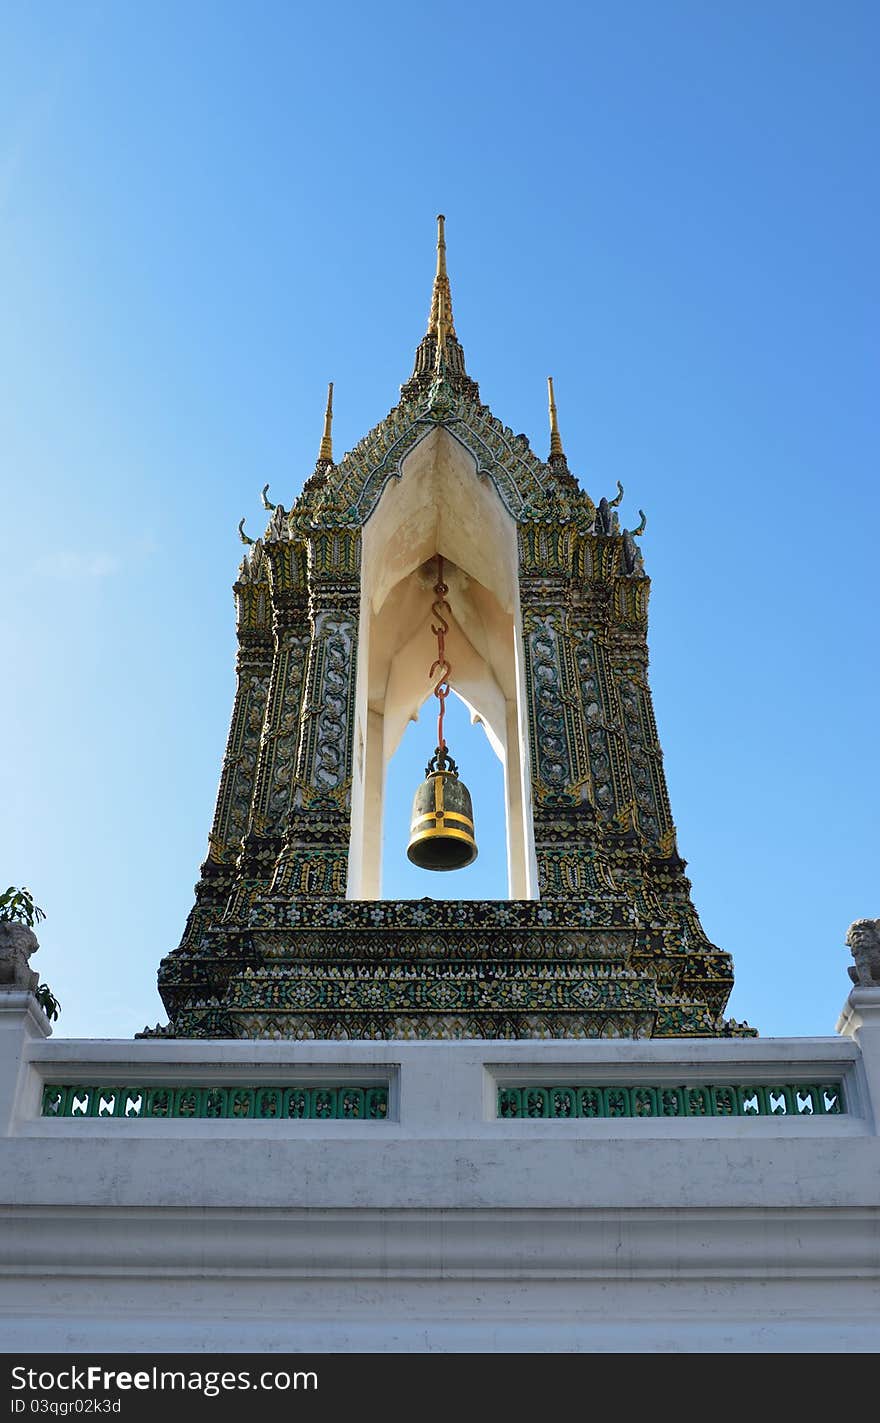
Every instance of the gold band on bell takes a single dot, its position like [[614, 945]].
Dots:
[[441, 832], [444, 815]]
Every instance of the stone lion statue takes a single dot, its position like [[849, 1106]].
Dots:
[[863, 938], [17, 943]]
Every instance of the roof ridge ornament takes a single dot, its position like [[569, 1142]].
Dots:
[[556, 450], [325, 453], [556, 459]]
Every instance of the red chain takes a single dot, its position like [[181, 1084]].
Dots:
[[441, 663]]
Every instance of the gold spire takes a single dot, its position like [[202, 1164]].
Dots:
[[441, 285], [555, 437], [441, 331], [441, 245], [325, 453]]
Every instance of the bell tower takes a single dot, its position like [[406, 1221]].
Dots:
[[543, 617]]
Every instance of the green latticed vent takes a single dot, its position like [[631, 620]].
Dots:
[[791, 1099], [263, 1103]]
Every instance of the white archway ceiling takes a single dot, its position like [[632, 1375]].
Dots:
[[438, 505]]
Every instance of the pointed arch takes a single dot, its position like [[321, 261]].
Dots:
[[439, 505]]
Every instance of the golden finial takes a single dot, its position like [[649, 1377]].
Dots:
[[555, 437], [441, 245], [441, 285], [325, 453]]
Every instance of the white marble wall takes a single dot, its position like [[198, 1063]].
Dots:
[[441, 1227]]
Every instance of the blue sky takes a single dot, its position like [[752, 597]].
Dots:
[[207, 211]]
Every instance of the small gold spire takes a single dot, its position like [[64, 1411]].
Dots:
[[555, 437], [441, 284], [325, 453], [441, 245]]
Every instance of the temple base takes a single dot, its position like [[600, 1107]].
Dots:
[[487, 1196]]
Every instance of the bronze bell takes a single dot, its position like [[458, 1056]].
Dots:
[[442, 832]]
